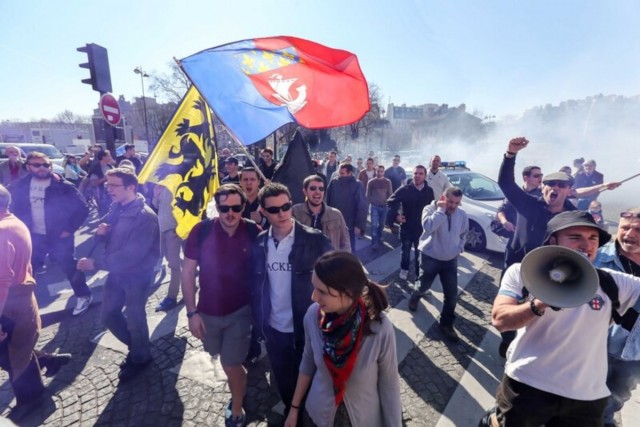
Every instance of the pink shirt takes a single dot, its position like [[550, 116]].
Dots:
[[15, 254]]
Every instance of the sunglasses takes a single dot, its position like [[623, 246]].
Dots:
[[314, 188], [235, 208], [275, 209], [40, 165], [559, 184], [628, 215], [537, 175]]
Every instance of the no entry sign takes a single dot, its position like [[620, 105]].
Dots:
[[110, 109]]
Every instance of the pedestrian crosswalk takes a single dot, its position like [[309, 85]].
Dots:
[[473, 394]]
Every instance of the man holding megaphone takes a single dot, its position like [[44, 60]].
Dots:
[[556, 367]]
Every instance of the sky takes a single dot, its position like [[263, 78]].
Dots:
[[497, 57]]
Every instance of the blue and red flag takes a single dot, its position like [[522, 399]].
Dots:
[[256, 86]]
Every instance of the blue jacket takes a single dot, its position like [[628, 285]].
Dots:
[[533, 215], [622, 344], [347, 195]]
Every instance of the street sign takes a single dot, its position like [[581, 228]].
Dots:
[[110, 109]]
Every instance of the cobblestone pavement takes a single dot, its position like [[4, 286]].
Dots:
[[87, 391], [431, 371]]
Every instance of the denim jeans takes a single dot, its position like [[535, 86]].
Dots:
[[448, 272], [170, 246], [128, 291], [622, 379], [61, 251], [378, 217], [352, 239], [407, 243]]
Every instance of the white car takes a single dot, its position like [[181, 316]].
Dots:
[[51, 151], [481, 199]]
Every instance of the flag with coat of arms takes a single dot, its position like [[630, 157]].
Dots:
[[256, 86]]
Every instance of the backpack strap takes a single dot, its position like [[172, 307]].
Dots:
[[207, 225], [205, 229], [609, 286]]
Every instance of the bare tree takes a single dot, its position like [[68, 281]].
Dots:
[[70, 117], [170, 86], [370, 121]]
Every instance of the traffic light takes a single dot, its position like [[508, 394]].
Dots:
[[98, 66]]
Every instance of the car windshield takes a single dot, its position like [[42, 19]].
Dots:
[[50, 151], [476, 186]]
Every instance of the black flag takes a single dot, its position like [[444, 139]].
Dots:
[[295, 167]]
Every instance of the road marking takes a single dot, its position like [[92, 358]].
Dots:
[[202, 368]]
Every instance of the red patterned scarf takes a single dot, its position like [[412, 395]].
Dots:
[[342, 336]]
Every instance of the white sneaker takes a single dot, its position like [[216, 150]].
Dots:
[[404, 274], [82, 305]]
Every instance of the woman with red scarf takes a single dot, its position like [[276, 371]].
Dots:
[[349, 367]]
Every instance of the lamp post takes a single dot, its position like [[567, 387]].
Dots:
[[382, 130], [138, 70]]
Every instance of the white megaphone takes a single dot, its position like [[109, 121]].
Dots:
[[559, 277]]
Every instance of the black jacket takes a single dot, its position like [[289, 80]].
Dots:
[[308, 245], [64, 207], [413, 202], [347, 195], [533, 215]]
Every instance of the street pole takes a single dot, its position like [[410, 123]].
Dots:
[[138, 70]]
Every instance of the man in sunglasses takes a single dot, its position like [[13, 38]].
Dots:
[[53, 210], [533, 213], [316, 214], [222, 249], [623, 254], [284, 257]]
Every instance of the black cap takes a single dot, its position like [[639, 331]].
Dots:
[[558, 176], [569, 219], [231, 159]]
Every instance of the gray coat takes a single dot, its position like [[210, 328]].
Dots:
[[372, 396], [133, 241]]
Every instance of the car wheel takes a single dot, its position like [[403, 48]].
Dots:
[[476, 239]]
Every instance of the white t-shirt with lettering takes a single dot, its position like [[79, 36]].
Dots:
[[36, 198], [279, 270]]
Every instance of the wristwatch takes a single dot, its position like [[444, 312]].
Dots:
[[190, 314], [535, 309]]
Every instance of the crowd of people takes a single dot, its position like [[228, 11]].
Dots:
[[267, 270]]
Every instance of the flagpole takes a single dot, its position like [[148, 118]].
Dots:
[[246, 153], [234, 138]]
